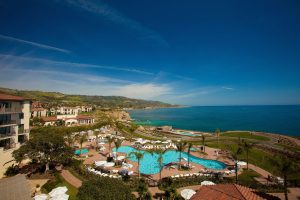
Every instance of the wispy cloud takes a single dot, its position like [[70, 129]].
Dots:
[[35, 44], [113, 15], [227, 88], [8, 57], [73, 83]]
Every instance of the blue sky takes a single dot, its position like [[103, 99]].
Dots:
[[186, 52]]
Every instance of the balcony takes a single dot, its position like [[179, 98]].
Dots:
[[8, 122], [23, 131], [4, 110], [7, 135]]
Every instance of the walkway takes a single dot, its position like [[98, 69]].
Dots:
[[70, 178], [259, 170]]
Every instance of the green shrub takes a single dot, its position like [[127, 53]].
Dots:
[[104, 188], [12, 170]]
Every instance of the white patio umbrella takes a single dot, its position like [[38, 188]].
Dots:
[[60, 197], [58, 190], [40, 197], [109, 164], [100, 163], [187, 193], [241, 163], [165, 142], [120, 157], [207, 183]]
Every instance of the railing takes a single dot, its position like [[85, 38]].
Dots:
[[22, 131], [7, 134], [7, 122], [10, 110]]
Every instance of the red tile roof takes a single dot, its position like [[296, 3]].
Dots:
[[84, 117], [49, 119], [7, 97], [226, 192]]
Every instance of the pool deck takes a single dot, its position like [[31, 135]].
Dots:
[[166, 172]]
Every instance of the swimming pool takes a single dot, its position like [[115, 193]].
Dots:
[[186, 133], [81, 151], [149, 164]]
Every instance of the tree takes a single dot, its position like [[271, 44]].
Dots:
[[109, 140], [45, 147], [118, 143], [247, 147], [190, 145], [104, 188], [217, 133], [81, 139], [143, 191], [96, 133], [160, 160], [235, 155], [139, 156], [180, 147], [69, 137], [284, 166], [203, 141]]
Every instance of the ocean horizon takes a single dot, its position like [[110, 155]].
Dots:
[[280, 119]]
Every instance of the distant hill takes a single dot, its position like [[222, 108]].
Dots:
[[56, 98]]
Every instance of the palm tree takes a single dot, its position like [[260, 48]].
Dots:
[[284, 166], [109, 140], [180, 147], [69, 138], [203, 141], [118, 143], [81, 139], [217, 133], [139, 156], [96, 133], [190, 145], [160, 159], [235, 155], [247, 147]]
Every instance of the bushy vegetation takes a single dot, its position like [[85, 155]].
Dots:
[[104, 188]]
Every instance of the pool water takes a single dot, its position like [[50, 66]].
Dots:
[[81, 151], [187, 134], [150, 165]]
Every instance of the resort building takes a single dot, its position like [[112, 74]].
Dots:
[[68, 110], [68, 120], [37, 110], [14, 127], [85, 108], [84, 119]]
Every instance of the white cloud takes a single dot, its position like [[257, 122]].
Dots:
[[227, 88], [144, 91], [35, 44], [73, 83], [115, 16], [6, 58]]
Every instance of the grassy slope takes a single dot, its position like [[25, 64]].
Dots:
[[244, 134], [56, 98]]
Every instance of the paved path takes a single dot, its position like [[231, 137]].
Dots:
[[259, 170], [70, 178]]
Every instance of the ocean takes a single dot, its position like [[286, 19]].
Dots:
[[272, 119]]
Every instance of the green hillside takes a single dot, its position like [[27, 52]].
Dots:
[[55, 98]]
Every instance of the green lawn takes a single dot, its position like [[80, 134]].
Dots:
[[58, 181], [256, 156], [244, 134]]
